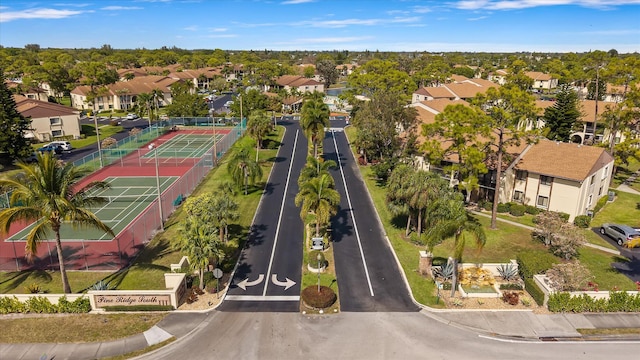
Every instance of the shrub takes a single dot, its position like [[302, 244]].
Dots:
[[564, 216], [534, 262], [487, 206], [582, 221], [618, 301], [568, 276], [507, 271], [533, 290], [39, 304], [600, 204], [313, 259], [503, 208], [10, 305], [517, 210], [511, 297], [318, 300], [511, 286], [78, 306], [532, 210], [33, 288]]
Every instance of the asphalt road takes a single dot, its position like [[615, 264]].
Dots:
[[369, 278], [629, 266], [268, 274]]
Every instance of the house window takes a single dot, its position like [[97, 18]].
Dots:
[[55, 121], [543, 202], [521, 175], [56, 133], [546, 180], [600, 191], [593, 179], [590, 200], [518, 196], [605, 172]]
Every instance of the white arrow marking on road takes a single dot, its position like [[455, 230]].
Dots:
[[287, 284], [244, 283]]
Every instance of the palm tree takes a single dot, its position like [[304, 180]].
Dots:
[[314, 118], [398, 191], [318, 196], [451, 219], [243, 169], [199, 244], [314, 168], [224, 211], [259, 126], [156, 95], [45, 192], [144, 104]]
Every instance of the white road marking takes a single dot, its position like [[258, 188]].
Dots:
[[275, 240], [353, 219]]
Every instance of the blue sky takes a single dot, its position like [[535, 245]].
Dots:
[[356, 25]]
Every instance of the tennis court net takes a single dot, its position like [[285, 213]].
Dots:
[[131, 198]]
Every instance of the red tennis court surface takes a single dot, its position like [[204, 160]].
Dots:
[[116, 253]]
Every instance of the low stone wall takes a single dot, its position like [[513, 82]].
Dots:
[[174, 295], [543, 284]]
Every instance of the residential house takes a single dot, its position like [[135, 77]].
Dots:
[[36, 93], [49, 120], [123, 94], [542, 81], [345, 69], [292, 104], [199, 78], [556, 176], [466, 89], [499, 76], [299, 84]]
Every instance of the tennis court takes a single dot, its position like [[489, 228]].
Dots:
[[128, 198], [184, 146]]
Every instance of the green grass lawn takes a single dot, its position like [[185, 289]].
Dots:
[[16, 282], [622, 210], [623, 172]]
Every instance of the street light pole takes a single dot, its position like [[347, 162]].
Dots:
[[215, 149], [155, 151], [95, 121], [319, 257]]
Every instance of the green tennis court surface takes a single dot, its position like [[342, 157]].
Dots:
[[185, 145], [128, 197]]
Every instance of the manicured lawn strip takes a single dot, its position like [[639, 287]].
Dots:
[[526, 219], [599, 264], [327, 278], [77, 328], [16, 282], [595, 239], [622, 211]]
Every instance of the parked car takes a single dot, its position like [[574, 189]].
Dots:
[[65, 145], [49, 147], [132, 116], [620, 233]]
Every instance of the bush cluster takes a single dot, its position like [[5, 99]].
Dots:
[[517, 210], [318, 300], [534, 262], [600, 204], [40, 305], [511, 297], [532, 210], [503, 208], [511, 286], [618, 301], [582, 221]]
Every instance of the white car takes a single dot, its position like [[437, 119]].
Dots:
[[132, 116], [64, 145]]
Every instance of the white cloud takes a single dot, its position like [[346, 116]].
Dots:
[[350, 22], [72, 4], [523, 4], [477, 18], [37, 14], [116, 8], [219, 29], [421, 9], [191, 28], [221, 36]]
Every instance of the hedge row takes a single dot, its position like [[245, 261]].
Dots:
[[618, 301], [39, 304], [533, 290], [534, 262]]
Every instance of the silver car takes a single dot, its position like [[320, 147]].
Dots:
[[620, 233]]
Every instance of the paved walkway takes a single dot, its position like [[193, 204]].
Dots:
[[625, 185]]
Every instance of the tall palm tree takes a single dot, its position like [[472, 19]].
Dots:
[[144, 101], [452, 219], [243, 169], [314, 168], [314, 118], [156, 96], [259, 126], [199, 244], [398, 192], [318, 196], [45, 192]]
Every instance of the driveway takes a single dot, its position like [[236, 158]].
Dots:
[[630, 268]]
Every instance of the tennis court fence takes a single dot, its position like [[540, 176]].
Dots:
[[110, 255]]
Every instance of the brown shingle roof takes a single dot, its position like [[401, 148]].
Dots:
[[536, 75], [295, 81], [564, 160], [588, 109], [40, 109]]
